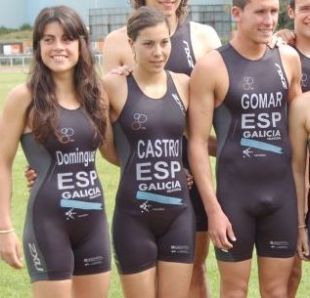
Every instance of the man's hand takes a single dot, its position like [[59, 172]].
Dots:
[[31, 176]]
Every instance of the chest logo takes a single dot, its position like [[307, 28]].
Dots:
[[66, 135], [248, 83], [138, 121]]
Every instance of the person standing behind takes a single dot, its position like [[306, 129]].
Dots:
[[189, 42], [255, 205], [299, 12], [60, 118]]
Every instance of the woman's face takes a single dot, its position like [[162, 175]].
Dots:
[[152, 47], [167, 7], [58, 52]]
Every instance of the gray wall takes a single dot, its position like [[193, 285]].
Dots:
[[17, 12]]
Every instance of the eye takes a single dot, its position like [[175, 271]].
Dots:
[[304, 9], [148, 43], [165, 42], [67, 39], [48, 40]]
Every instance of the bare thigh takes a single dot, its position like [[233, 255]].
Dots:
[[174, 279], [91, 286], [139, 285]]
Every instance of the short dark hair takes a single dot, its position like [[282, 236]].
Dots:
[[142, 18], [240, 3], [291, 3]]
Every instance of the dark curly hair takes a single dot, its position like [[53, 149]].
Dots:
[[181, 11], [88, 86]]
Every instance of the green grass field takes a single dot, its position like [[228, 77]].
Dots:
[[15, 284]]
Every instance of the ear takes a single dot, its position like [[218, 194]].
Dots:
[[290, 12], [236, 13], [130, 41]]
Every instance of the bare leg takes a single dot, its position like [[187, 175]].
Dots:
[[273, 276], [199, 286], [140, 285], [234, 278], [52, 289], [295, 277], [173, 279], [91, 286]]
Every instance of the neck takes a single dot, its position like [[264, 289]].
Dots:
[[148, 78], [248, 48], [303, 45], [173, 23], [65, 91]]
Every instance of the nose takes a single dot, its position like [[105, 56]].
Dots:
[[157, 50], [270, 18], [58, 44]]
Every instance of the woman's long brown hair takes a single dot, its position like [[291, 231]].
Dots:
[[88, 86]]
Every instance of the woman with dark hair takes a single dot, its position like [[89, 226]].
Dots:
[[60, 118], [153, 225], [190, 41]]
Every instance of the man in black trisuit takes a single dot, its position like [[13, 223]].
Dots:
[[255, 205]]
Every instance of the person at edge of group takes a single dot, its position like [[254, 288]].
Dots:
[[190, 41], [248, 93], [299, 12], [153, 223], [60, 118]]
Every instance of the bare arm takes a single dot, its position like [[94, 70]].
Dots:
[[205, 39], [292, 66], [202, 102], [299, 128], [116, 51], [108, 150], [12, 124]]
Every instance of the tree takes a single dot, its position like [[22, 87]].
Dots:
[[284, 20]]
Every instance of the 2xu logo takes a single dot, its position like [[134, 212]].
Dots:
[[35, 257]]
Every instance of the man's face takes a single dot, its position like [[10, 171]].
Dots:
[[301, 17], [257, 20]]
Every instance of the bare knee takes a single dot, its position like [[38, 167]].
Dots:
[[294, 278], [234, 289], [274, 291]]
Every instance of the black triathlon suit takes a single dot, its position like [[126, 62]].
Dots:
[[66, 227], [153, 218], [182, 60], [255, 186], [305, 78]]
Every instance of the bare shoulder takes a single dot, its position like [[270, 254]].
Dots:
[[116, 50], [180, 78], [211, 62], [112, 81], [116, 89], [206, 35], [19, 98], [116, 36], [288, 52]]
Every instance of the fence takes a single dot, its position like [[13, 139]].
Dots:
[[25, 60]]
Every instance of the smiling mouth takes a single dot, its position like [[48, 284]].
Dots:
[[59, 57]]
